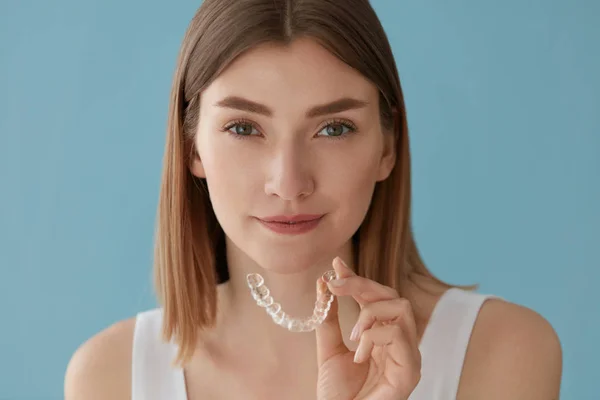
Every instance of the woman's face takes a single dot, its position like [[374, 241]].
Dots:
[[275, 139]]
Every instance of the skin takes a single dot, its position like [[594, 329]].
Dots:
[[290, 164]]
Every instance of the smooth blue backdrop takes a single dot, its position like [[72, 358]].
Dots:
[[503, 101]]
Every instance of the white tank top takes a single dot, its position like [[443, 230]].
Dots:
[[443, 348]]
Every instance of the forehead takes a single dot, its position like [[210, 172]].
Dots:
[[298, 75]]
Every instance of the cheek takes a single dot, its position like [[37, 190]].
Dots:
[[351, 184], [228, 177], [226, 164], [355, 171]]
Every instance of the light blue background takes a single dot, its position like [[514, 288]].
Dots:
[[503, 101]]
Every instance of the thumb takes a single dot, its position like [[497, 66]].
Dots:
[[329, 334]]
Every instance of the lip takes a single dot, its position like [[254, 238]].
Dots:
[[292, 218], [291, 225]]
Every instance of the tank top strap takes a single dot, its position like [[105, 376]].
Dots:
[[153, 375], [444, 343]]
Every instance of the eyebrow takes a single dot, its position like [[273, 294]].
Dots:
[[336, 106]]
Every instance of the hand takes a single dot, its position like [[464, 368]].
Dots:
[[387, 362]]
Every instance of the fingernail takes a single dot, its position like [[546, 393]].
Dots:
[[343, 264], [357, 356], [337, 282], [354, 334]]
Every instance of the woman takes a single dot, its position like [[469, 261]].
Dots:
[[288, 148]]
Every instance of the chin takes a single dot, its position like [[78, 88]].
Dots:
[[288, 261], [294, 253]]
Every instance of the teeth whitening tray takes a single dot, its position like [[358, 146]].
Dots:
[[263, 298]]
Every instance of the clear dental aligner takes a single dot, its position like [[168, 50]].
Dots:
[[263, 298]]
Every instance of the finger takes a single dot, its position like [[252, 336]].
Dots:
[[363, 290], [402, 360], [397, 347], [396, 311], [329, 334], [342, 269]]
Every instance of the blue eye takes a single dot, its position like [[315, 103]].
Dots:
[[335, 129], [242, 129]]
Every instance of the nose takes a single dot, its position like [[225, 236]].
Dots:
[[289, 176]]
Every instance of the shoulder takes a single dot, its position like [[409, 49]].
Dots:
[[513, 353], [101, 367]]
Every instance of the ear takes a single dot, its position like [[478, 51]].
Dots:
[[388, 156], [196, 166]]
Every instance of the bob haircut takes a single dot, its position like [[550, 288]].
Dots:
[[189, 243]]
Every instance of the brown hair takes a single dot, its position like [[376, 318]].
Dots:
[[189, 255]]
